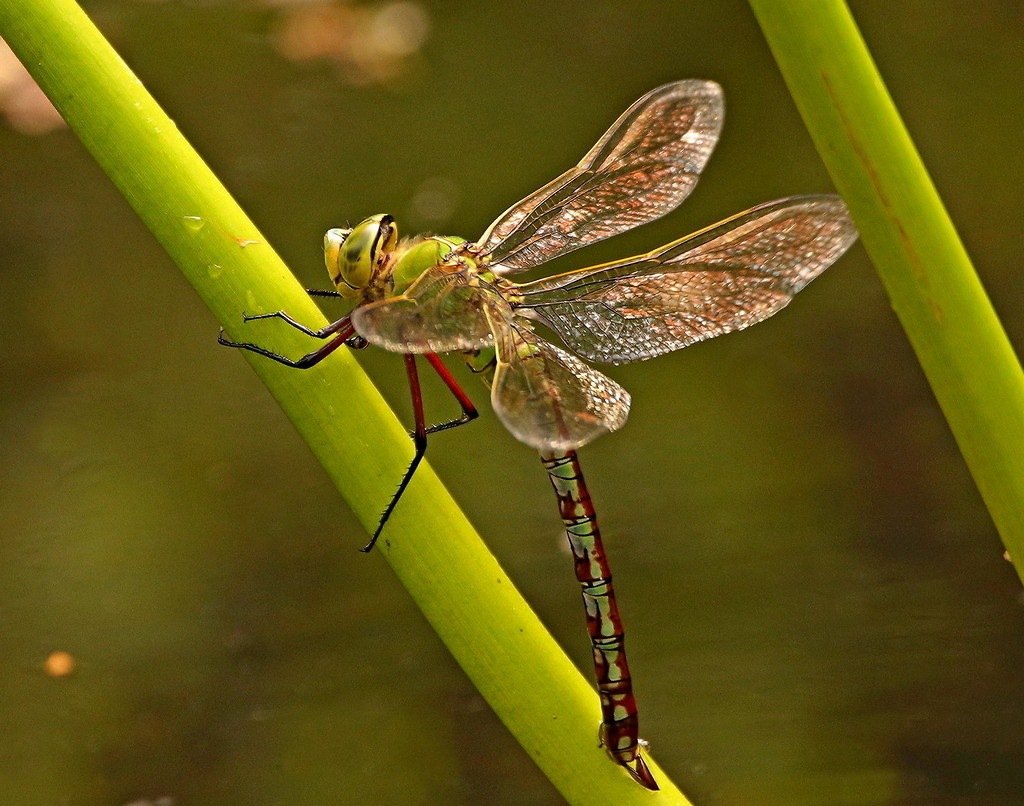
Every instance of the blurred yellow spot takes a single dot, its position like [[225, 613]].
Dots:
[[59, 664]]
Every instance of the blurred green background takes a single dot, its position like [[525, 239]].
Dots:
[[818, 607]]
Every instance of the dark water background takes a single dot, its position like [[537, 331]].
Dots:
[[818, 607]]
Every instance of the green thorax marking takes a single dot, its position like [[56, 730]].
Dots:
[[413, 258]]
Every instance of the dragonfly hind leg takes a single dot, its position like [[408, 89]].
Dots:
[[469, 412], [419, 439], [421, 429]]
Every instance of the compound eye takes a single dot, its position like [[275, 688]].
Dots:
[[353, 255], [334, 240]]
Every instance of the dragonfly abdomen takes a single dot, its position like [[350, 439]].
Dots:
[[619, 721]]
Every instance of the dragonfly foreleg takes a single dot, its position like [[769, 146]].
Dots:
[[341, 330], [322, 333]]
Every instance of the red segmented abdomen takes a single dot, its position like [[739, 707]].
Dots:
[[619, 727]]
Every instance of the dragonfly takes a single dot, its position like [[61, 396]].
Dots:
[[429, 295]]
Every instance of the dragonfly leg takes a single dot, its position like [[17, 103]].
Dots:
[[469, 412], [341, 330], [421, 430], [322, 333], [419, 438]]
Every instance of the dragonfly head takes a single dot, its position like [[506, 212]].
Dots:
[[356, 257]]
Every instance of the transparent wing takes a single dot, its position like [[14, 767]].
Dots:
[[727, 277], [642, 168], [440, 312], [549, 399]]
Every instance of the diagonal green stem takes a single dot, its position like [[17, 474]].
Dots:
[[930, 280], [549, 707]]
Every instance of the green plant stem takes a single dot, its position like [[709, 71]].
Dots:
[[549, 707], [930, 280]]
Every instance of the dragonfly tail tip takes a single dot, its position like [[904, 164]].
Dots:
[[641, 773]]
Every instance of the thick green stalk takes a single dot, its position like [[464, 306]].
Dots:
[[933, 288], [490, 630]]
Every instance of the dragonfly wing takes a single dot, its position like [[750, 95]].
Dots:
[[726, 277], [642, 168], [442, 311], [547, 398]]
